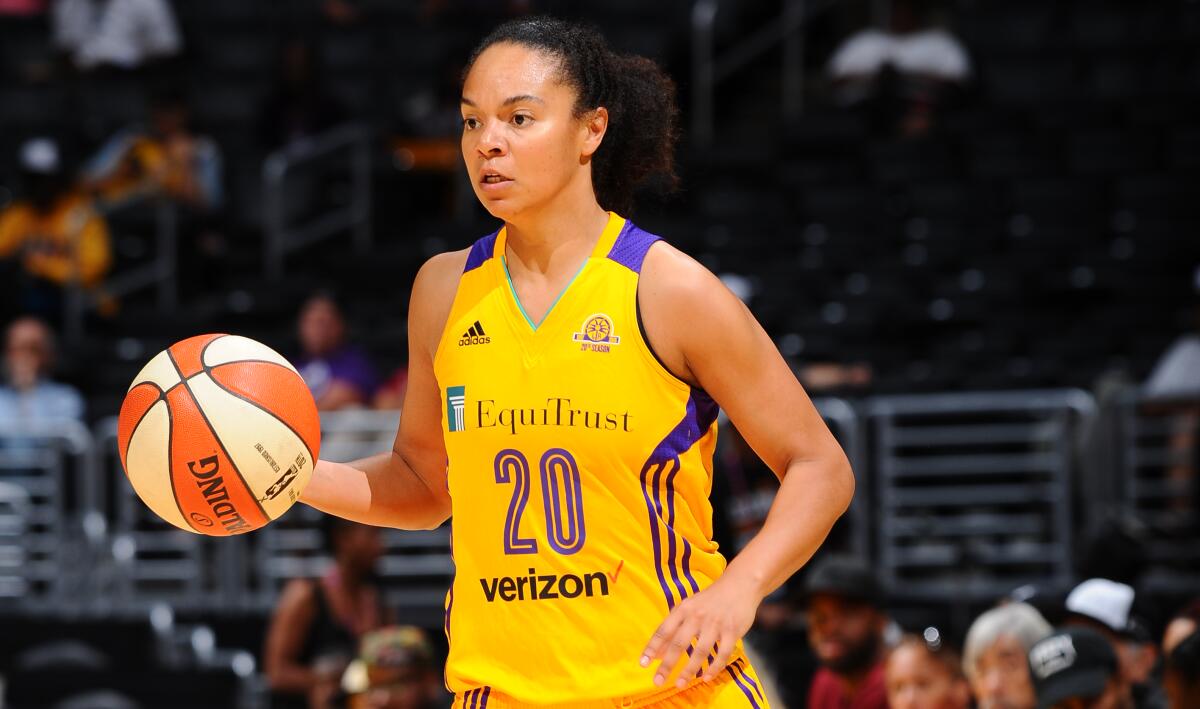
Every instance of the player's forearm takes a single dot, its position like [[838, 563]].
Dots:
[[814, 493], [381, 490]]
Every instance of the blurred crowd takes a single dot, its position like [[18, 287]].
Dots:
[[1089, 650]]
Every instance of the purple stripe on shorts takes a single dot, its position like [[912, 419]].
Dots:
[[481, 251], [630, 247], [486, 693], [746, 676], [745, 689]]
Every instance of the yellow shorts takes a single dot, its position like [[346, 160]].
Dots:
[[737, 687]]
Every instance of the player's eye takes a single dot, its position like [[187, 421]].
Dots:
[[520, 119], [470, 123]]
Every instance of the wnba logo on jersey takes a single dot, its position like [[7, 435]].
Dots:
[[597, 334], [456, 407]]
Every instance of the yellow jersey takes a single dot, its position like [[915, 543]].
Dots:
[[580, 470]]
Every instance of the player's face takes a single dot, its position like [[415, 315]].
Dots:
[[521, 141], [1002, 679], [915, 680]]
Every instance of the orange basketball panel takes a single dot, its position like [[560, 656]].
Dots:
[[137, 402], [278, 391], [187, 353], [208, 488]]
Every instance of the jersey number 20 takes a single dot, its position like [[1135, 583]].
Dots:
[[562, 500]]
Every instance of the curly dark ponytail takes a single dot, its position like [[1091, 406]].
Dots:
[[643, 118]]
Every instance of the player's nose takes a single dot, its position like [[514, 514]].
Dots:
[[491, 139]]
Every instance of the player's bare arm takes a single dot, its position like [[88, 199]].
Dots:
[[708, 337], [405, 487]]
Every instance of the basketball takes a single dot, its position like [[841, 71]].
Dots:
[[218, 434]]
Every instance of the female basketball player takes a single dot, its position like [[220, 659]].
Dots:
[[565, 374]]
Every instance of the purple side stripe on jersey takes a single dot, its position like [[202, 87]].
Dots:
[[744, 688], [630, 247], [481, 251], [671, 535], [698, 416], [746, 676], [651, 506], [484, 697]]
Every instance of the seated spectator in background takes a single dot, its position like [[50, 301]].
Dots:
[[54, 233], [339, 375], [1106, 607], [299, 106], [390, 395], [995, 656], [834, 377], [318, 623], [1174, 375], [394, 670], [28, 395], [1181, 648], [923, 673], [1173, 386], [846, 624], [903, 74], [22, 8], [164, 158], [125, 34], [1076, 668]]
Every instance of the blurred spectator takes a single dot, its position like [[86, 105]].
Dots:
[[923, 673], [341, 12], [125, 34], [1174, 376], [390, 396], [1077, 669], [299, 106], [834, 377], [1181, 648], [165, 158], [995, 656], [54, 232], [28, 395], [903, 74], [339, 375], [22, 8], [319, 623], [846, 624], [394, 670], [1173, 385], [1106, 607]]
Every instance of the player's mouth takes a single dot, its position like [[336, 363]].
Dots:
[[491, 179]]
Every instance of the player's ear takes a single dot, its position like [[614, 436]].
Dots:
[[595, 124]]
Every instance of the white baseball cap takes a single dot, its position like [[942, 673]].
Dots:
[[40, 155], [1108, 602]]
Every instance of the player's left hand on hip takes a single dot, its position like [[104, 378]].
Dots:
[[710, 623]]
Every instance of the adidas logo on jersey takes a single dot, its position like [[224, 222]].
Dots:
[[474, 336]]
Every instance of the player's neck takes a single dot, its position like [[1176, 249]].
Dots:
[[557, 236]]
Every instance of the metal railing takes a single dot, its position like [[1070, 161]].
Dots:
[[972, 497], [1158, 484], [159, 273], [973, 490], [281, 238], [710, 68]]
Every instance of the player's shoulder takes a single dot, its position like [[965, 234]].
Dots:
[[437, 279], [669, 272]]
